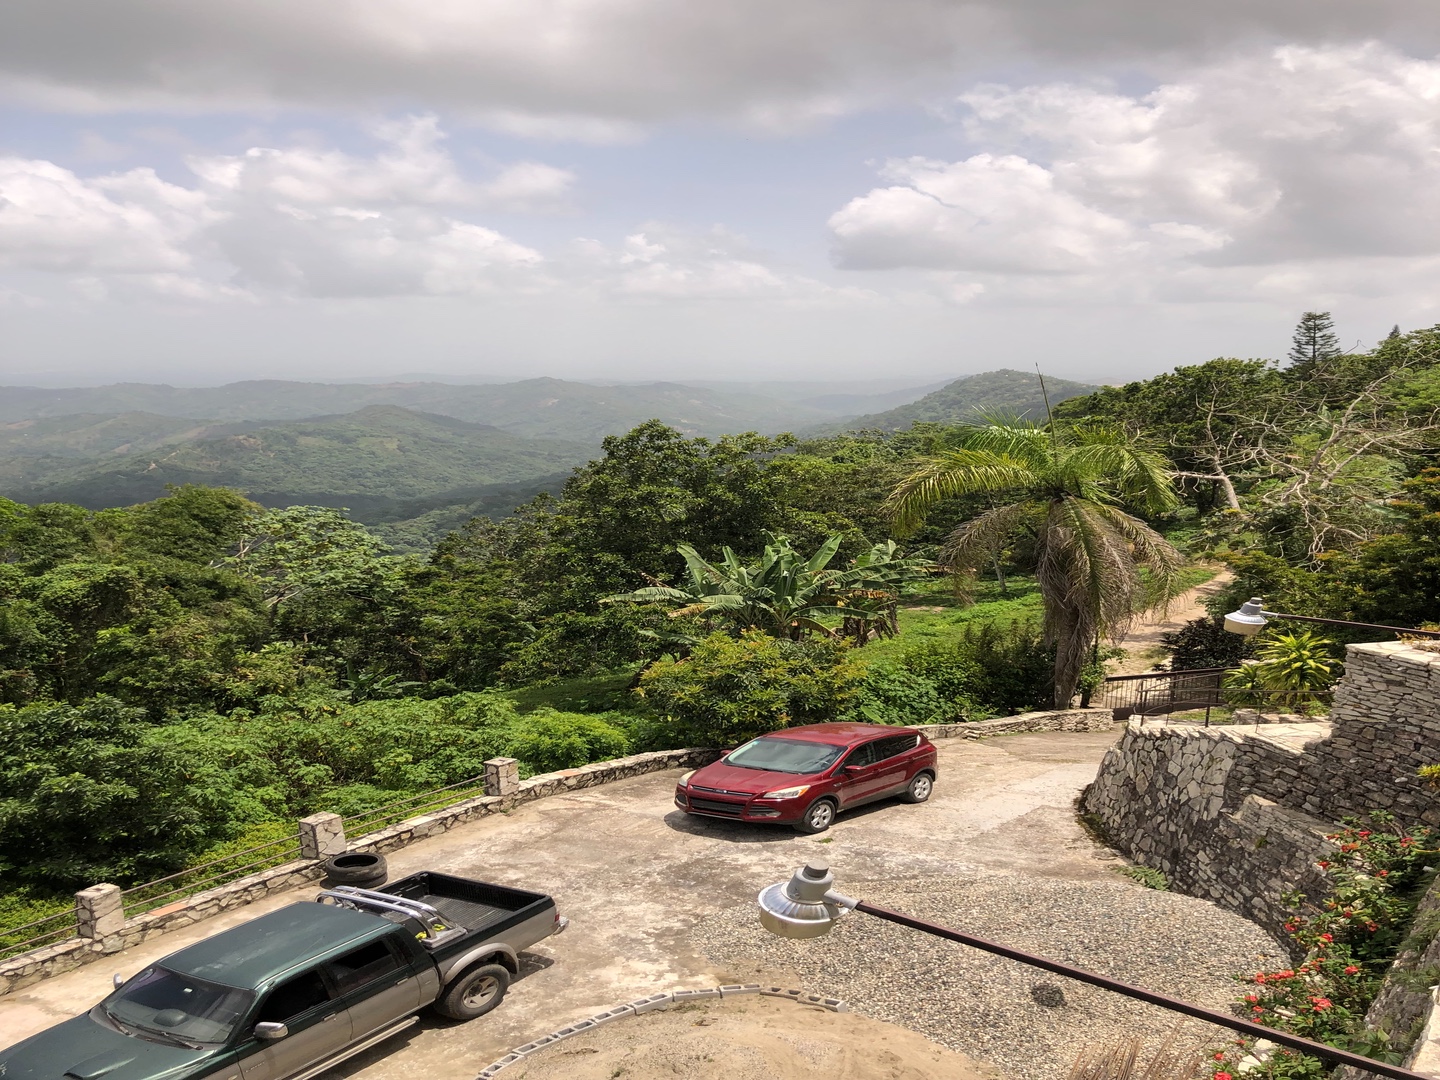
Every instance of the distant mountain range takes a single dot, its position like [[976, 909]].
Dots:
[[543, 408], [371, 460], [966, 400], [414, 458]]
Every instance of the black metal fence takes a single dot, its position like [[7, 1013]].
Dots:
[[1195, 695]]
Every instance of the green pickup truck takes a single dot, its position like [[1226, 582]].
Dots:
[[292, 993]]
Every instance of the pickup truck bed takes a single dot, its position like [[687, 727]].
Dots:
[[477, 906]]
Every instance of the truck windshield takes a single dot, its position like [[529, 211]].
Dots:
[[784, 755], [177, 1008]]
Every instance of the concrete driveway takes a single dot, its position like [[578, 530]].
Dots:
[[635, 875]]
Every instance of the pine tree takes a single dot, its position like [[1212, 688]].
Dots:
[[1314, 339], [1394, 333]]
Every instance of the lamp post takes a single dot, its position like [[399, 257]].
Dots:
[[1252, 618], [807, 906]]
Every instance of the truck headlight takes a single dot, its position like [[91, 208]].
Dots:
[[685, 777]]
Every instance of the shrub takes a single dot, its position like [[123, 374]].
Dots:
[[1205, 643], [891, 694], [729, 690], [546, 740], [1293, 669]]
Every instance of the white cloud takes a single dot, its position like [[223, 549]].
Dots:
[[130, 222], [662, 263], [596, 68], [1257, 163]]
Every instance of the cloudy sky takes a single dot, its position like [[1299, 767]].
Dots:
[[858, 189]]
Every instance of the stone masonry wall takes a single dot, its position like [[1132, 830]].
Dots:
[[1239, 815], [41, 963]]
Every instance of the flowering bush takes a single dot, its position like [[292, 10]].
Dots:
[[1349, 940]]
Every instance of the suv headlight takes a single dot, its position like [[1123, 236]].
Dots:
[[685, 777], [787, 793]]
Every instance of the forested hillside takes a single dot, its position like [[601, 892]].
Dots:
[[372, 461], [965, 400]]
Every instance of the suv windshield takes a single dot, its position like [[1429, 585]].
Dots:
[[177, 1008], [785, 755]]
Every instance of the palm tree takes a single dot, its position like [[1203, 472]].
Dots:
[[1064, 488]]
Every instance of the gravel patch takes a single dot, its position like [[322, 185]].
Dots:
[[989, 1007]]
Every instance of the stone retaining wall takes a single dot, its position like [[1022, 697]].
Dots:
[[1239, 816], [41, 963]]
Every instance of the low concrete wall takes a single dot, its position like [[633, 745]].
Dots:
[[1052, 720]]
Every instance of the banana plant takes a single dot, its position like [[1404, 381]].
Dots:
[[784, 594]]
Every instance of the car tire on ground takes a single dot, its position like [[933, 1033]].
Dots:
[[920, 788], [362, 869], [818, 817], [474, 993]]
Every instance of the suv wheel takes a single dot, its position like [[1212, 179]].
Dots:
[[819, 816], [920, 788]]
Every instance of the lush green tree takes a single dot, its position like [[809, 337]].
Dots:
[[86, 795], [729, 690], [1064, 487]]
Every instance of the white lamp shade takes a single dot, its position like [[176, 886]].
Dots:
[[1249, 620]]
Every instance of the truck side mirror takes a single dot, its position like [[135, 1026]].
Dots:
[[270, 1030], [118, 980]]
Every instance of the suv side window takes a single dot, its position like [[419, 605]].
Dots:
[[294, 997], [896, 744], [363, 965], [863, 755]]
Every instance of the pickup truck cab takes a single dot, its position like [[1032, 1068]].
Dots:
[[292, 993]]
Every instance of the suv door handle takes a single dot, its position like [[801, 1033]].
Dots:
[[327, 1019], [402, 981]]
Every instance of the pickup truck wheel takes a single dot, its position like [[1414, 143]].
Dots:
[[475, 993], [819, 816]]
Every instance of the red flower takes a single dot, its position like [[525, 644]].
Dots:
[[1352, 970], [1326, 938], [1219, 1055], [1251, 998], [1363, 835], [1405, 841], [1222, 1076], [1323, 865], [1372, 927], [1384, 873], [1286, 974], [1256, 1009], [1320, 1003], [1259, 976]]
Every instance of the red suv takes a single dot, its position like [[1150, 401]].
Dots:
[[804, 776]]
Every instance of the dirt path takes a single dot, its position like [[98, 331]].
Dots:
[[1142, 643]]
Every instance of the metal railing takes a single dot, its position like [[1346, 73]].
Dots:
[[1195, 695], [50, 930], [208, 875], [1157, 692], [413, 806]]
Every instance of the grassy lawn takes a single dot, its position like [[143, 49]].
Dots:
[[936, 614], [596, 693]]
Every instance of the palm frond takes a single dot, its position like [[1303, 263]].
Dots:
[[955, 472]]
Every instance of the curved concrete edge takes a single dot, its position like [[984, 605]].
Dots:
[[649, 1004]]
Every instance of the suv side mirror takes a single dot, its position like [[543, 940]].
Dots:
[[853, 769], [269, 1030], [117, 980]]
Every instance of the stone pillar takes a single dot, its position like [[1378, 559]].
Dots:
[[502, 776], [322, 835], [99, 912]]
